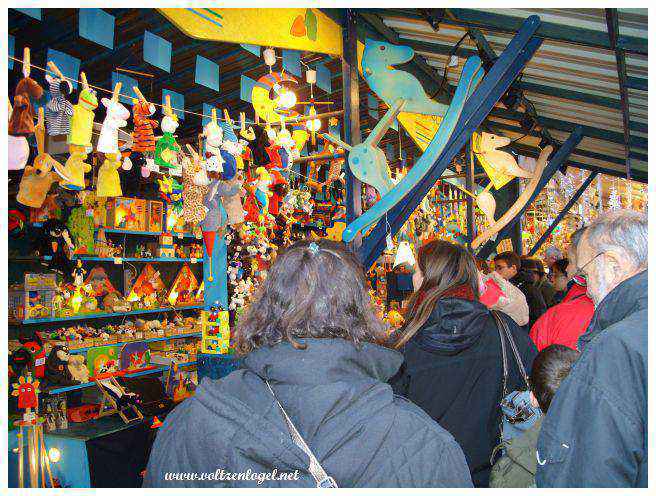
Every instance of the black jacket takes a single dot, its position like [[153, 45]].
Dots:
[[534, 297], [453, 370], [362, 434], [595, 433]]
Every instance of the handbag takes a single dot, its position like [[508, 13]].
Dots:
[[517, 412], [320, 476]]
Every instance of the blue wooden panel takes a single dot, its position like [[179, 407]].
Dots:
[[246, 88], [98, 26], [68, 65], [291, 62], [217, 289], [157, 51], [12, 48], [254, 49], [207, 72], [127, 84], [177, 102], [324, 78], [35, 13]]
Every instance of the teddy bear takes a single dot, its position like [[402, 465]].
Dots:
[[78, 369], [109, 182], [36, 181], [213, 134], [115, 119]]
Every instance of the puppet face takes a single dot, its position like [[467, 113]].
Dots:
[[214, 134], [88, 99], [169, 124]]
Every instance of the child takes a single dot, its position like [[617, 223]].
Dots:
[[517, 467]]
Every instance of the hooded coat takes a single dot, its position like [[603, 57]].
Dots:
[[595, 432], [453, 371], [336, 396]]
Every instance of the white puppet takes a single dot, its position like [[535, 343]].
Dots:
[[115, 119]]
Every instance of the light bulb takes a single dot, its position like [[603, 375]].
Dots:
[[404, 255], [54, 454], [269, 57], [287, 98], [311, 76]]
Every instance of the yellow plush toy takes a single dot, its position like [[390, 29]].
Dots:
[[109, 183], [83, 113], [72, 174]]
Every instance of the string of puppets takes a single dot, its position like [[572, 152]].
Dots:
[[237, 182]]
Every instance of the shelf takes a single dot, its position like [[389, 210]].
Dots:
[[85, 258], [104, 315], [149, 340], [153, 370], [146, 233]]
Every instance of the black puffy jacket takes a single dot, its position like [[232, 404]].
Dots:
[[453, 370], [337, 397]]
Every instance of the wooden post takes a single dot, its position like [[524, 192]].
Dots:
[[351, 104]]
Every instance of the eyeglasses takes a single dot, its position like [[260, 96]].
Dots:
[[580, 272]]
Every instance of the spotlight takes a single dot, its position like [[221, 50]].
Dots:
[[54, 454]]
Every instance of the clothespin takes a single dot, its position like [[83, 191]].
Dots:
[[85, 84], [227, 117], [117, 90], [26, 62], [40, 132], [55, 69], [213, 116], [192, 152], [257, 120], [167, 106], [139, 94], [242, 121]]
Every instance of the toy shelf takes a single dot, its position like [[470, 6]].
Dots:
[[114, 259], [149, 340], [153, 370], [146, 233], [104, 315]]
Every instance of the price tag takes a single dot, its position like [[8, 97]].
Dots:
[[193, 260], [118, 260], [180, 235]]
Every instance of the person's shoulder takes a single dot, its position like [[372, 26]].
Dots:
[[623, 340], [409, 419]]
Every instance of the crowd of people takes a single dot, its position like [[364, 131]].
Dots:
[[545, 386]]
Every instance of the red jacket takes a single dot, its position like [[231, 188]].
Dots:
[[565, 322]]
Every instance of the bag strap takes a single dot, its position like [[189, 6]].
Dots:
[[316, 470], [503, 327], [504, 358]]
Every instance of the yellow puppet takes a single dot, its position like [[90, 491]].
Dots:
[[109, 183]]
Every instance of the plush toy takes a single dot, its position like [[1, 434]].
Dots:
[[215, 220], [59, 110], [195, 185], [77, 369], [113, 303], [167, 148], [213, 134], [21, 122], [72, 173], [38, 178], [55, 238], [262, 193], [109, 182], [116, 118], [143, 137], [83, 113], [57, 372]]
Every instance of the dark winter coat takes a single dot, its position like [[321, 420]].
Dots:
[[453, 371], [516, 468], [336, 396], [595, 433], [534, 297]]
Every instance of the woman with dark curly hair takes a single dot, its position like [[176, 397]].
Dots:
[[314, 373]]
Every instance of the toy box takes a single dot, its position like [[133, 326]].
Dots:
[[155, 216], [33, 300], [174, 219], [127, 213], [215, 332], [166, 247]]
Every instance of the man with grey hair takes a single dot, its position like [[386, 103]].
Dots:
[[595, 433]]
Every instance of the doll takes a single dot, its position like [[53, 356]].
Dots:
[[55, 239], [82, 119], [167, 148], [78, 274], [262, 193], [109, 182], [59, 110], [115, 118]]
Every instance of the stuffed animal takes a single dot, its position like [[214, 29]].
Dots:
[[262, 193], [77, 368], [59, 110], [37, 178], [167, 148], [21, 122], [195, 185], [113, 303], [213, 134], [55, 238], [72, 173], [215, 220], [82, 119], [115, 119], [109, 182], [143, 137], [57, 372]]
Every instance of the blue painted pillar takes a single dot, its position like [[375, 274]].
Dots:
[[217, 289]]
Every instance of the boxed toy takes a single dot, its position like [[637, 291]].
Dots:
[[38, 294], [155, 216], [127, 213], [166, 247]]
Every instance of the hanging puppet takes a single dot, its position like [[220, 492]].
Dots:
[[109, 181], [115, 118], [83, 114], [167, 148], [59, 109], [195, 185]]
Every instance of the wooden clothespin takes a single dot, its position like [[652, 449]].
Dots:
[[257, 120], [55, 69], [85, 84], [139, 94], [168, 110], [26, 62], [192, 152], [213, 116], [116, 92], [227, 117], [242, 121], [40, 132]]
